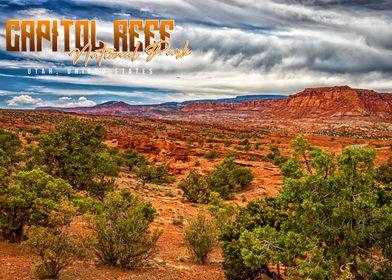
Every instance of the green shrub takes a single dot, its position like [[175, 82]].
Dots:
[[195, 188], [292, 169], [29, 201], [132, 158], [243, 177], [243, 198], [5, 161], [55, 249], [156, 174], [201, 236], [274, 156], [232, 154], [35, 131], [227, 177], [244, 142], [350, 225], [228, 143], [247, 148], [121, 231], [75, 152], [54, 245], [85, 204], [100, 188], [384, 172], [222, 212], [258, 213], [211, 155], [10, 144]]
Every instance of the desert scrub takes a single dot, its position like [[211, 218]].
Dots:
[[227, 177], [195, 188], [121, 231], [223, 213], [156, 174], [201, 236], [211, 155], [274, 156], [75, 151], [55, 249], [29, 201], [132, 158], [10, 145], [350, 216]]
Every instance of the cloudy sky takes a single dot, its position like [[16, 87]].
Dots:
[[239, 47]]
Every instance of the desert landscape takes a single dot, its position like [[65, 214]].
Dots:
[[196, 137]]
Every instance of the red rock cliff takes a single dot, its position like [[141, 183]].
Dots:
[[326, 102]]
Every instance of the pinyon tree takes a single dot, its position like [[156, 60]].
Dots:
[[322, 225]]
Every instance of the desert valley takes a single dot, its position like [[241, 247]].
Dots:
[[197, 137]]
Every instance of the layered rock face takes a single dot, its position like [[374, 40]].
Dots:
[[341, 102], [327, 102], [334, 102]]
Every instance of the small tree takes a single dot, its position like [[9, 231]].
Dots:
[[29, 201], [4, 171], [5, 161], [384, 172], [258, 213], [211, 155], [201, 236], [156, 174], [56, 250], [121, 231], [132, 158], [274, 156], [54, 245], [227, 177], [222, 212], [195, 188], [10, 144], [243, 177], [349, 229], [303, 149], [292, 169], [75, 152]]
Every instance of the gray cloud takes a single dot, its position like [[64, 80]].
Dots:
[[325, 36], [243, 46]]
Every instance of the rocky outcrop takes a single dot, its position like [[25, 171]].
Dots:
[[336, 102], [341, 102], [327, 102]]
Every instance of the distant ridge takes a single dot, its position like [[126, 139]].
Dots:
[[232, 100], [123, 108], [340, 102]]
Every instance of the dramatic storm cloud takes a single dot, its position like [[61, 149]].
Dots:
[[239, 47]]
